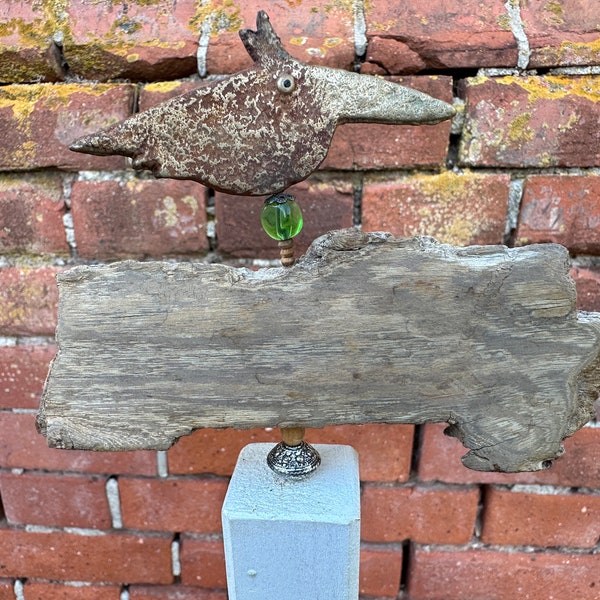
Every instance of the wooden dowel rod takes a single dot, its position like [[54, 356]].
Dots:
[[292, 436]]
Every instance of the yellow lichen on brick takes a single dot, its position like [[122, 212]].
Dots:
[[450, 220], [22, 99], [35, 33], [39, 31], [124, 25], [549, 87], [176, 215], [191, 202], [332, 42], [443, 188], [504, 22], [382, 26], [25, 48], [346, 5], [120, 46], [167, 216], [166, 3], [25, 296], [571, 122], [299, 41], [223, 16], [162, 87], [25, 153], [546, 159], [14, 67], [519, 130], [583, 50], [555, 13]]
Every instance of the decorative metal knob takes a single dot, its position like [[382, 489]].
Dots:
[[293, 456]]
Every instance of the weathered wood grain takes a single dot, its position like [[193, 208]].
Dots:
[[365, 328]]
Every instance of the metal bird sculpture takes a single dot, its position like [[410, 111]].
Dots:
[[260, 130]]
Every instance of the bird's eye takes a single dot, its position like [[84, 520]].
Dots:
[[286, 84]]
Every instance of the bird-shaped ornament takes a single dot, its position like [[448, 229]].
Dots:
[[263, 129]]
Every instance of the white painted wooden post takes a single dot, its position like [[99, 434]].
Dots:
[[292, 538]]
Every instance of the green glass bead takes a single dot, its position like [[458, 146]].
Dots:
[[281, 217]]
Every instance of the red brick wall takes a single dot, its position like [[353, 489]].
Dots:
[[520, 165]]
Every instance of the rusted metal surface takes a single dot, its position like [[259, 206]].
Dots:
[[263, 129]]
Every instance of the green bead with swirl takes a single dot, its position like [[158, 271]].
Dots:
[[281, 217]]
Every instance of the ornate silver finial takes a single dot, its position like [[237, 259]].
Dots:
[[293, 456]]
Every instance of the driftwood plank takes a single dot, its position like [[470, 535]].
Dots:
[[365, 328]]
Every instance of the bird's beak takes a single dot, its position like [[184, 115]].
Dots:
[[365, 98]]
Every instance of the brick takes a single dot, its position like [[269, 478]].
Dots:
[[31, 212], [55, 500], [389, 55], [137, 40], [44, 119], [154, 93], [174, 592], [428, 515], [313, 32], [515, 518], [108, 558], [385, 450], [325, 205], [587, 282], [535, 121], [137, 218], [27, 51], [202, 562], [173, 504], [28, 300], [373, 146], [380, 572], [561, 209], [23, 370], [455, 208], [456, 575], [439, 460], [561, 33], [6, 590], [214, 450], [21, 447], [578, 467], [57, 591], [466, 34]]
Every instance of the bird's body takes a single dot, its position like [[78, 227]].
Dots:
[[262, 129]]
